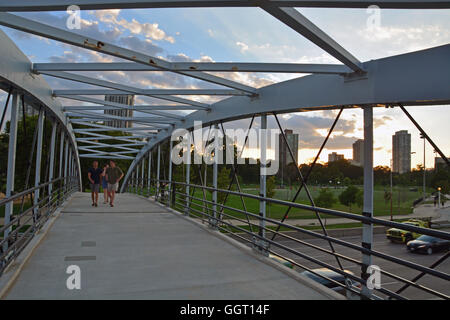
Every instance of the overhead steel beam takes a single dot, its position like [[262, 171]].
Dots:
[[118, 105], [99, 156], [198, 66], [106, 117], [149, 121], [48, 5], [105, 152], [98, 136], [112, 85], [94, 139], [159, 92], [97, 145], [141, 108], [298, 22], [46, 31]]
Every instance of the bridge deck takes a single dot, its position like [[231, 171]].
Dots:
[[139, 250]]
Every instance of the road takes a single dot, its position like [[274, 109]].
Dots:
[[380, 244]]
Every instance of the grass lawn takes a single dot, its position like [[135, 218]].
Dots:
[[402, 207]]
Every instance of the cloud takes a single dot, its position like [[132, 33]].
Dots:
[[148, 30], [243, 46]]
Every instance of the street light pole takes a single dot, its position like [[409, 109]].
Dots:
[[391, 188], [424, 171]]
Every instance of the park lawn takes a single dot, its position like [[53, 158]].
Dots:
[[277, 211]]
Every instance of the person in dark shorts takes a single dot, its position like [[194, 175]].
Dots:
[[105, 185], [113, 175], [94, 175]]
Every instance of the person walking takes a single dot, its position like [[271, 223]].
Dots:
[[94, 175], [105, 184], [113, 175]]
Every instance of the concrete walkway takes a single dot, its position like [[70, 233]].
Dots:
[[138, 250]]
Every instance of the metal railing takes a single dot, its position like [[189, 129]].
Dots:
[[26, 223], [246, 227]]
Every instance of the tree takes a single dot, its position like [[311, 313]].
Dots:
[[444, 185], [349, 196], [325, 198], [270, 190], [223, 181]]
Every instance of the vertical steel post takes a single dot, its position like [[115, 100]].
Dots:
[[10, 173], [66, 164], [188, 179], [136, 172], [367, 232], [158, 166], [262, 179], [52, 161], [61, 152], [424, 169], [215, 173], [69, 170], [142, 175], [37, 177], [149, 172], [169, 190]]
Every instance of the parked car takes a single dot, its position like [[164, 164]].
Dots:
[[428, 244], [338, 277], [281, 260], [403, 236]]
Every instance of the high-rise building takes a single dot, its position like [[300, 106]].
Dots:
[[358, 152], [334, 156], [283, 153], [292, 139], [401, 151], [122, 99], [439, 162]]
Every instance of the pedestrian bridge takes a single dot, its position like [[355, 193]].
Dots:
[[141, 250]]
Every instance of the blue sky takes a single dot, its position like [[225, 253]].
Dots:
[[252, 35]]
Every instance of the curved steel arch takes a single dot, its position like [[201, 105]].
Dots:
[[416, 78], [15, 70]]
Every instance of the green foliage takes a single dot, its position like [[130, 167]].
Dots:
[[325, 199], [349, 196], [270, 188], [223, 181]]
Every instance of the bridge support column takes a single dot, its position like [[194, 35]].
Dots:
[[188, 180], [37, 178], [10, 173], [367, 232], [136, 172], [158, 167], [169, 190], [61, 153], [215, 172], [262, 244], [66, 164], [52, 162], [142, 176], [149, 177]]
